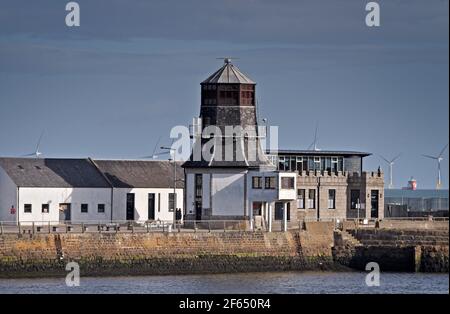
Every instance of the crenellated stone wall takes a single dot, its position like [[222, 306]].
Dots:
[[342, 183]]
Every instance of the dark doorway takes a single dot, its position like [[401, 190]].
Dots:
[[64, 212], [130, 206], [374, 204], [279, 211], [198, 210], [257, 208], [151, 206]]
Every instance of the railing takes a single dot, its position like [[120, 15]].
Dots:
[[122, 226], [42, 227], [430, 218]]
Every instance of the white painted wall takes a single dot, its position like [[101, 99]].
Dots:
[[54, 196], [8, 197], [287, 194], [206, 193], [228, 194], [141, 203]]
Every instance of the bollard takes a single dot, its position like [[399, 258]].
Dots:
[[146, 225], [195, 226], [163, 226], [209, 226], [179, 227], [82, 227], [224, 226], [49, 228], [1, 227]]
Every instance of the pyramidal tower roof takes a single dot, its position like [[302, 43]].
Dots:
[[228, 74]]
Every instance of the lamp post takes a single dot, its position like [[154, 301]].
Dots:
[[174, 183]]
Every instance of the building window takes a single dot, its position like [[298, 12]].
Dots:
[[331, 199], [354, 198], [287, 183], [171, 202], [269, 183], [84, 208], [281, 163], [27, 208], [341, 164], [159, 202], [311, 199], [45, 208], [292, 164], [301, 198], [101, 208], [299, 164], [198, 185], [257, 182], [316, 163]]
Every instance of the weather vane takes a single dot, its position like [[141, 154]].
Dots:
[[227, 60]]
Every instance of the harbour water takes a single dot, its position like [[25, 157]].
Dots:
[[284, 283]]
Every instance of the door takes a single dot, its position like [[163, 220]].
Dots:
[[130, 206], [151, 206], [198, 210], [374, 204], [64, 212]]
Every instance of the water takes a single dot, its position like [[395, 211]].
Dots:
[[285, 283]]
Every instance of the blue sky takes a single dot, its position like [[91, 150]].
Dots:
[[131, 71]]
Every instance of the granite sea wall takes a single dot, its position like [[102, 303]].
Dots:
[[316, 247]]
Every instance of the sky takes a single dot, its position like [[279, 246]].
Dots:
[[131, 71]]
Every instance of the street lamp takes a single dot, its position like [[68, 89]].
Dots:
[[174, 182]]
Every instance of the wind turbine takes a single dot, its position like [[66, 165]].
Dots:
[[36, 153], [391, 164], [314, 144], [438, 158], [153, 155]]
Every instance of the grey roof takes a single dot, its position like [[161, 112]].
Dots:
[[320, 152], [53, 172], [228, 74], [141, 173]]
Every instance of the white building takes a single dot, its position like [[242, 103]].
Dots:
[[77, 190], [247, 187], [143, 190]]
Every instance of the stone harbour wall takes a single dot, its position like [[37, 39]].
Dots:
[[316, 246], [159, 253]]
